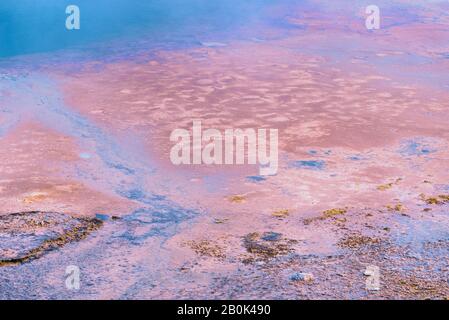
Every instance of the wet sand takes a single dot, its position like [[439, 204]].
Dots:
[[362, 179]]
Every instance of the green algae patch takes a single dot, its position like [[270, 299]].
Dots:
[[333, 212], [435, 200], [281, 213], [206, 248], [26, 236], [384, 187], [237, 199], [387, 186], [399, 207], [327, 214], [356, 241]]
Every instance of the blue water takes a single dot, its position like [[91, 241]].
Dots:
[[417, 147], [123, 172], [308, 164], [256, 179], [31, 26]]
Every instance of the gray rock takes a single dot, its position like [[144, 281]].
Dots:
[[300, 276]]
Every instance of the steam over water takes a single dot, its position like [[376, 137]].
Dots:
[[29, 26]]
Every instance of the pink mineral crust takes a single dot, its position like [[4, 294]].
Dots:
[[363, 164]]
